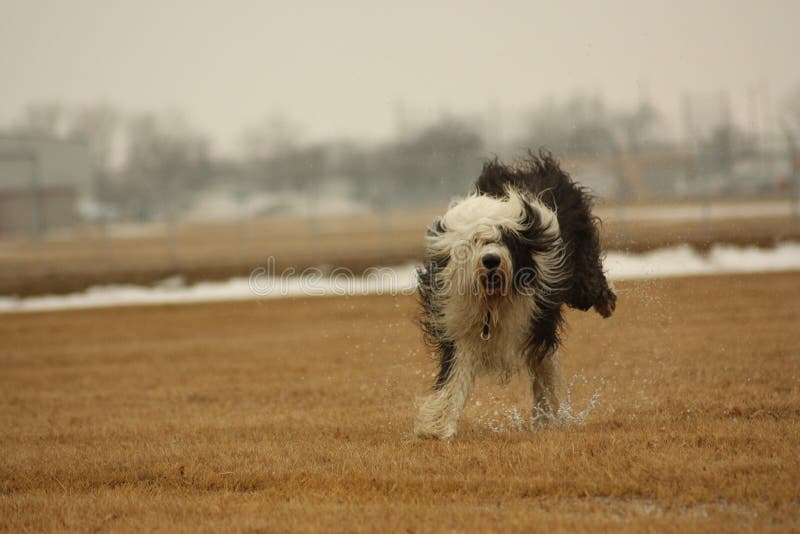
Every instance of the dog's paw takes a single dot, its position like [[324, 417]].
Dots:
[[434, 428], [438, 434]]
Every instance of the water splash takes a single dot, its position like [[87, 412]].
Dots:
[[504, 418], [566, 415]]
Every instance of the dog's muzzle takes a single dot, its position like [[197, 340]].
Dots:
[[492, 277]]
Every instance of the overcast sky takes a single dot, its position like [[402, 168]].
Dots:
[[341, 67]]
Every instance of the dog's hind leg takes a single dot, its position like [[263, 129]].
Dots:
[[439, 412], [545, 374]]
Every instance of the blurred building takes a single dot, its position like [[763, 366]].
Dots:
[[41, 180]]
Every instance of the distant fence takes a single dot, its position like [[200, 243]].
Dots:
[[323, 224]]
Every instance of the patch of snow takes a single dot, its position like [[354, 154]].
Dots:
[[670, 262], [682, 260]]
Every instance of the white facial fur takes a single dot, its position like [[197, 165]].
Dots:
[[473, 228]]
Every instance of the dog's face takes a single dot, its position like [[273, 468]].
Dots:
[[494, 248]]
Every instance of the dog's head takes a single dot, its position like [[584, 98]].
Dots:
[[491, 249]]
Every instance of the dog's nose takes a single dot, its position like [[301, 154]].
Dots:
[[491, 261]]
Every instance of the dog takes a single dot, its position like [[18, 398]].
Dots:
[[500, 266]]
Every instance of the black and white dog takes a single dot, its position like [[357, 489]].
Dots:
[[500, 265]]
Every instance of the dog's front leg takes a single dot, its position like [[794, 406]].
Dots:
[[439, 412], [545, 374]]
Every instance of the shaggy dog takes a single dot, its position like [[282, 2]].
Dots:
[[500, 265]]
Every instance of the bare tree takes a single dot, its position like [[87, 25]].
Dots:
[[166, 162], [637, 127], [42, 119], [272, 136], [579, 126], [99, 127]]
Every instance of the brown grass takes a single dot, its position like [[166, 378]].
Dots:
[[296, 414]]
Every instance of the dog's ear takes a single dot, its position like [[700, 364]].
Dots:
[[580, 231], [590, 289], [606, 302], [588, 285]]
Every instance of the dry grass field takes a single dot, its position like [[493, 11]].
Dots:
[[297, 414]]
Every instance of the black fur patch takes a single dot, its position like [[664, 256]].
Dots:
[[541, 176], [544, 335], [431, 311]]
